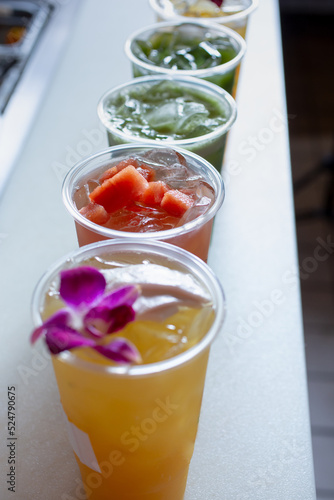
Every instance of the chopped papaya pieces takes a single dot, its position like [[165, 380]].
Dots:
[[130, 186], [95, 213], [108, 174], [117, 168], [143, 169], [116, 192], [176, 203], [154, 193]]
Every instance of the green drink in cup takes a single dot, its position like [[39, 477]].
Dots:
[[175, 111], [130, 326], [231, 13], [187, 48]]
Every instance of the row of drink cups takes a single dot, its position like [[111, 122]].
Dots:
[[102, 402]]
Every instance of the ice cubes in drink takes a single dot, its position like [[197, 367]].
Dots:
[[168, 166]]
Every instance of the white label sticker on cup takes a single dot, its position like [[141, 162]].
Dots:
[[82, 446]]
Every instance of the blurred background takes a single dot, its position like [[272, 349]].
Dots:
[[308, 51]]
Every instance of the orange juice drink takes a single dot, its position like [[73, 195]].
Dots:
[[145, 192], [132, 425], [231, 13]]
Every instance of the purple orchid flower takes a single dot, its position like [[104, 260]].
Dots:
[[218, 2], [90, 315]]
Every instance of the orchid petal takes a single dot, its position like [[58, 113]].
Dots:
[[112, 312], [81, 286], [218, 2], [120, 350], [125, 295], [101, 320], [64, 338], [59, 318], [88, 308]]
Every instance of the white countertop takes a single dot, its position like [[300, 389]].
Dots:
[[254, 434]]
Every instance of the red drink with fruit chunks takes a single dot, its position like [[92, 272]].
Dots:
[[141, 192]]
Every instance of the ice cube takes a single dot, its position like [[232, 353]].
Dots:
[[195, 211], [165, 118], [190, 115], [158, 279], [163, 157], [204, 199], [81, 196], [204, 190], [182, 59], [205, 55], [200, 324]]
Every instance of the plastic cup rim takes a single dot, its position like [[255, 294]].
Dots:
[[187, 260], [156, 235], [199, 73]]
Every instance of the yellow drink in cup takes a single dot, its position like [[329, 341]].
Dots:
[[133, 426], [231, 13]]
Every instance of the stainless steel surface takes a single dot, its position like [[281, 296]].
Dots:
[[21, 24], [27, 67]]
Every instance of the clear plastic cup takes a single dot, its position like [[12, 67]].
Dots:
[[185, 35], [193, 235], [133, 428], [208, 143], [233, 14]]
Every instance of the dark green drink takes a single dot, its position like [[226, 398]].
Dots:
[[184, 112], [187, 48]]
